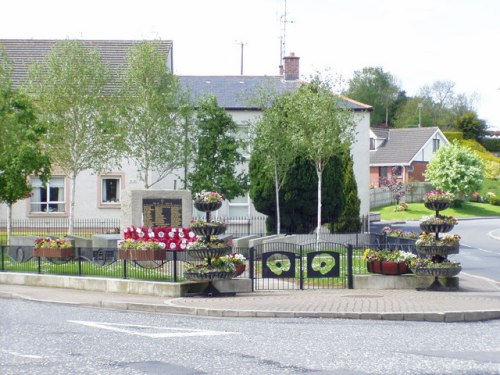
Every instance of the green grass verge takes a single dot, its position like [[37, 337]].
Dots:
[[490, 185], [417, 210]]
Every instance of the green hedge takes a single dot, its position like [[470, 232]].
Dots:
[[491, 144]]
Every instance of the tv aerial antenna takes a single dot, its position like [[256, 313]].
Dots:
[[284, 21]]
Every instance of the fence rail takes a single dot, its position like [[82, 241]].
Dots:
[[236, 227], [104, 262]]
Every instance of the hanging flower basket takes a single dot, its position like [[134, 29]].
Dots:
[[437, 271], [436, 228], [437, 205], [388, 268], [142, 255], [209, 229], [208, 276], [207, 206], [54, 252], [209, 252], [438, 250]]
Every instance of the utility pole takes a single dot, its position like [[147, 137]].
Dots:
[[241, 60]]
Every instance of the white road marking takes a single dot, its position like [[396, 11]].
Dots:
[[22, 355], [478, 248], [139, 330]]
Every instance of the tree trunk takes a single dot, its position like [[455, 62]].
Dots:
[[318, 228], [9, 222], [71, 226], [277, 191]]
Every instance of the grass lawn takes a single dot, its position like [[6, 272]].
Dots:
[[417, 210], [490, 185]]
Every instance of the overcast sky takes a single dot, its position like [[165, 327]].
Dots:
[[418, 42]]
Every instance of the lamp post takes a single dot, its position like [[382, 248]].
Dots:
[[420, 106]]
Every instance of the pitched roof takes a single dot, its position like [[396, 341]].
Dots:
[[239, 92], [25, 52], [232, 92], [401, 145]]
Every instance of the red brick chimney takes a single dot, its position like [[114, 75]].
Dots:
[[291, 67]]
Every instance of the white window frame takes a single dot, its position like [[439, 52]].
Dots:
[[36, 183], [237, 204], [100, 190]]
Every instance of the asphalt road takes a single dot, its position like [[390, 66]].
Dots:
[[38, 338]]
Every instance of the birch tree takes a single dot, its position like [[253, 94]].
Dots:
[[321, 125], [69, 86], [155, 115], [274, 144]]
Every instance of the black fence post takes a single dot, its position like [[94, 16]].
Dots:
[[301, 268], [174, 253], [3, 259], [350, 283], [39, 264], [251, 266], [79, 259], [124, 268]]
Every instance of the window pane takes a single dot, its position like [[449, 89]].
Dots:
[[49, 197], [110, 190], [238, 211]]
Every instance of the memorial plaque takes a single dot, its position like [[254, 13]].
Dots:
[[162, 212]]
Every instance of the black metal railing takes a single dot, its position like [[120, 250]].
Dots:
[[236, 227]]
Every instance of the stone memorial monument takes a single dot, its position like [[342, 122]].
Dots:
[[154, 208]]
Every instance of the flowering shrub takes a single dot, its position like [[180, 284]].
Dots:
[[438, 196], [397, 256], [208, 197], [429, 239], [46, 242], [428, 220], [398, 233], [476, 197], [150, 244], [170, 238], [403, 206]]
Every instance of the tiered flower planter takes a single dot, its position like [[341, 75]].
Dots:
[[437, 253], [209, 252], [207, 272]]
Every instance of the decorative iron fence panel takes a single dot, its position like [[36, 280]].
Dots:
[[96, 262], [281, 265]]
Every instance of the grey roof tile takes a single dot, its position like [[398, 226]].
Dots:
[[25, 52], [232, 92], [401, 145]]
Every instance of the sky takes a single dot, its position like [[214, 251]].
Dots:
[[418, 42]]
